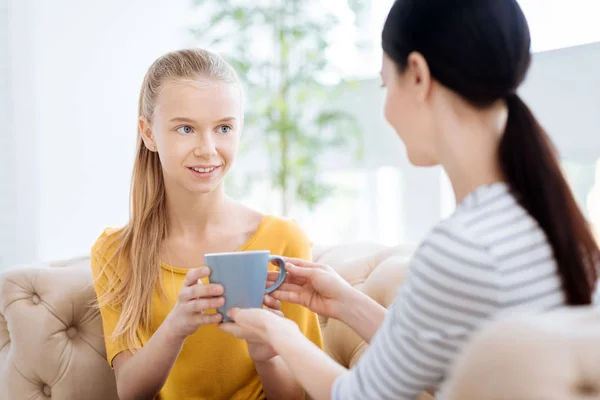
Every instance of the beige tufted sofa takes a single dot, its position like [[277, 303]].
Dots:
[[554, 356], [51, 343]]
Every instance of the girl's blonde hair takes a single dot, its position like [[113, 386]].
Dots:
[[139, 242]]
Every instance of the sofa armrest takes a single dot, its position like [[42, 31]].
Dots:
[[51, 342], [530, 356]]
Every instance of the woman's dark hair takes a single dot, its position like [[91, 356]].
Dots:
[[481, 50]]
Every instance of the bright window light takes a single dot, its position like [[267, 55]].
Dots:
[[554, 24], [388, 203], [593, 202]]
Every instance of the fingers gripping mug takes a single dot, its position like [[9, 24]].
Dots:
[[243, 275]]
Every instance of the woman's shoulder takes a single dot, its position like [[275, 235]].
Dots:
[[451, 246]]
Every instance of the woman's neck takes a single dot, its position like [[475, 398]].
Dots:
[[464, 182], [470, 154]]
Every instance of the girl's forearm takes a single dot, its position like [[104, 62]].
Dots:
[[144, 374]]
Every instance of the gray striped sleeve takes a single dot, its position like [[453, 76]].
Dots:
[[450, 290], [489, 256]]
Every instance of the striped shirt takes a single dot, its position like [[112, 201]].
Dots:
[[490, 256]]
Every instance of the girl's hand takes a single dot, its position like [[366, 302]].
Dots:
[[261, 351], [315, 286], [193, 300]]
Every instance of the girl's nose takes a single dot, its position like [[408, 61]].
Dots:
[[205, 146]]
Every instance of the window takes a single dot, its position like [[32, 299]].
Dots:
[[553, 24], [584, 178], [592, 202]]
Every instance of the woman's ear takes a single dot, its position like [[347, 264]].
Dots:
[[419, 75], [145, 130]]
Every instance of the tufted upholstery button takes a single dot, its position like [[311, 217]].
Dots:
[[46, 390], [586, 389], [71, 332], [35, 298]]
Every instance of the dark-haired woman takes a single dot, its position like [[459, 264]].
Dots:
[[516, 241]]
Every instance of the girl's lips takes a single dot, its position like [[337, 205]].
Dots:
[[204, 172]]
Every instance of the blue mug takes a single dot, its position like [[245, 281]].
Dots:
[[243, 275]]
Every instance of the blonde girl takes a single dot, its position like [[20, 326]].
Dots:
[[157, 306]]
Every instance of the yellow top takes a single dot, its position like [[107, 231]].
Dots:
[[212, 364]]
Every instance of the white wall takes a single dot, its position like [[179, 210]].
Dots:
[[78, 67], [563, 90], [7, 181]]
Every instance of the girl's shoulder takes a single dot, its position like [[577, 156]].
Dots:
[[104, 250], [108, 242], [282, 227], [283, 236], [269, 226]]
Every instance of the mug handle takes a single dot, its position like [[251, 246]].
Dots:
[[281, 264]]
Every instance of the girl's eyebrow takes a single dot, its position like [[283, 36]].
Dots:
[[189, 120], [227, 119], [182, 119]]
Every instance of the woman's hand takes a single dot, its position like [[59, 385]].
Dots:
[[315, 286], [262, 329], [309, 366], [259, 325], [193, 300], [261, 351]]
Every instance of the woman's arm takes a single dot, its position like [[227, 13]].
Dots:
[[278, 381], [309, 365], [397, 365], [366, 315], [306, 362], [444, 299], [363, 315], [322, 290]]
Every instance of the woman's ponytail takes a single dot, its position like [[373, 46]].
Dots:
[[530, 165]]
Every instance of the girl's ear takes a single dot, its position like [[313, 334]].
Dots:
[[145, 131]]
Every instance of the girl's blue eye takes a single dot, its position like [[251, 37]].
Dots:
[[224, 129], [185, 129]]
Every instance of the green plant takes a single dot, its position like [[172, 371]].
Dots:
[[279, 48]]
